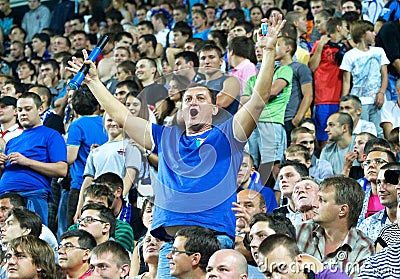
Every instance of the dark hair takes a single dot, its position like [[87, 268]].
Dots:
[[248, 27], [347, 191], [150, 38], [289, 30], [30, 95], [290, 42], [97, 190], [83, 101], [27, 219], [120, 255], [350, 17], [112, 180], [30, 66], [279, 240], [210, 91], [147, 23], [184, 28], [243, 47], [210, 47], [237, 14], [162, 16], [388, 152], [359, 28], [43, 90], [127, 66], [332, 23], [357, 3], [144, 111], [374, 143], [118, 36], [43, 37], [221, 37], [16, 199], [85, 239], [105, 214], [300, 168], [189, 56], [354, 99], [277, 222], [114, 15], [270, 10], [259, 8], [41, 253], [199, 240], [298, 149], [147, 201], [20, 28]]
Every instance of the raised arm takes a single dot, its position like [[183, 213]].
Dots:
[[246, 118], [137, 128]]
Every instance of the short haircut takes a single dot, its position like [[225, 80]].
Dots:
[[120, 35], [345, 119], [351, 17], [132, 85], [293, 16], [83, 101], [211, 92], [184, 28], [112, 180], [43, 90], [237, 14], [43, 37], [270, 10], [354, 99], [332, 23], [368, 135], [290, 42], [85, 239], [125, 49], [127, 66], [189, 56], [357, 3], [105, 214], [221, 37], [97, 190], [298, 167], [251, 194], [243, 47], [27, 219], [279, 240], [30, 95], [151, 61], [248, 27], [199, 240], [147, 23], [388, 152], [298, 149], [41, 253], [277, 222], [376, 142], [30, 66], [299, 130], [201, 13], [16, 199], [347, 191], [162, 16], [393, 137], [120, 255], [150, 38], [18, 44], [391, 166], [359, 28], [210, 47], [22, 30], [67, 40], [114, 15], [289, 30]]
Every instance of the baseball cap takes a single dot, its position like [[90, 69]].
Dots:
[[8, 101]]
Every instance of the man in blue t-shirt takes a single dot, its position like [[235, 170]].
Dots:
[[197, 166], [33, 158]]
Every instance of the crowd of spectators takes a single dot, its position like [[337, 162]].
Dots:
[[198, 146]]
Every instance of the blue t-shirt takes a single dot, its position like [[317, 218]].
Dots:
[[41, 144], [84, 132], [196, 178]]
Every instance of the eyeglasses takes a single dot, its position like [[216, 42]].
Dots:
[[67, 246], [16, 256], [376, 162], [89, 220], [176, 251]]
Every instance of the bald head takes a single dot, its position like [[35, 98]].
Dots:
[[227, 264], [253, 201]]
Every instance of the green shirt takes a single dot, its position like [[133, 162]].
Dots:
[[123, 234], [274, 111]]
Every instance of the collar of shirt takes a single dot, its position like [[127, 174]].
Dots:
[[242, 65]]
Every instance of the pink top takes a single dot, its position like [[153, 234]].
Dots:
[[374, 205], [243, 72]]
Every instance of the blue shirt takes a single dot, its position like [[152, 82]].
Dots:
[[84, 132], [40, 144], [196, 178]]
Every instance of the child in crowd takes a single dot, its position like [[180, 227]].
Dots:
[[366, 66]]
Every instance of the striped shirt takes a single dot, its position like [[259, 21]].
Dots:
[[385, 264], [349, 256], [389, 235]]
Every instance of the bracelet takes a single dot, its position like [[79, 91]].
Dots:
[[147, 153], [381, 93]]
